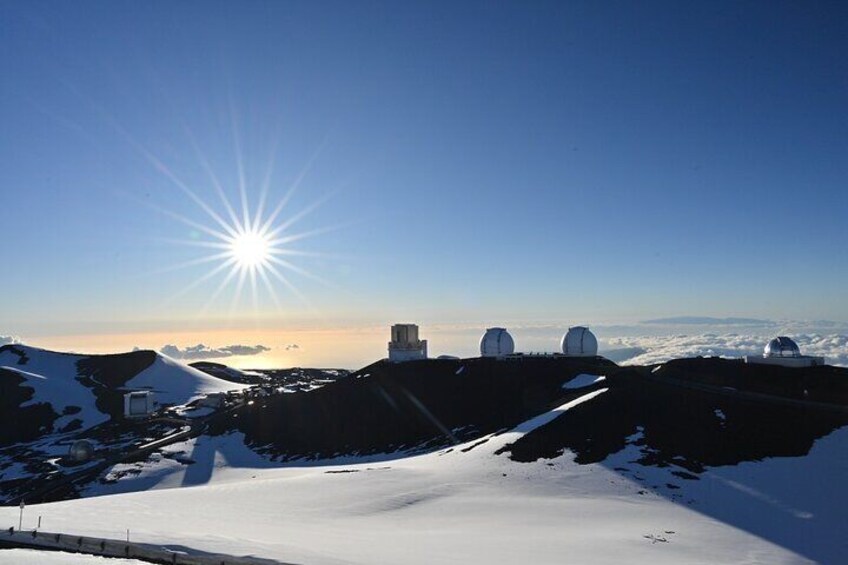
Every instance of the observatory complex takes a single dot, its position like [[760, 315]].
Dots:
[[496, 342], [784, 352], [405, 345]]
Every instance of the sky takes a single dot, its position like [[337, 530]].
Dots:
[[455, 164]]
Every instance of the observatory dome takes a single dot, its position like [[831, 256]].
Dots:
[[579, 342], [81, 450], [782, 346], [496, 342]]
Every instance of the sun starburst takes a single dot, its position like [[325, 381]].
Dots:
[[251, 249], [254, 247]]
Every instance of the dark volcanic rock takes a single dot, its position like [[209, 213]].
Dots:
[[692, 428], [423, 404], [17, 423], [815, 384]]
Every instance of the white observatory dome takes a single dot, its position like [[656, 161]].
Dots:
[[496, 342], [782, 346], [579, 342]]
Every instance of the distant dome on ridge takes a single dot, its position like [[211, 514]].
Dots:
[[579, 342], [782, 346], [496, 342], [81, 450]]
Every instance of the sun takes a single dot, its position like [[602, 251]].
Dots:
[[251, 249]]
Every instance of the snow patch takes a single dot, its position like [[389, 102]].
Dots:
[[583, 380]]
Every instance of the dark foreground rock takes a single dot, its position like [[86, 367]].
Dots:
[[426, 404]]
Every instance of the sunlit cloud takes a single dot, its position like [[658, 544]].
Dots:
[[200, 351]]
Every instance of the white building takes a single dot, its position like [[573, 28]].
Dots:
[[139, 404], [496, 342], [579, 342], [784, 352], [405, 345]]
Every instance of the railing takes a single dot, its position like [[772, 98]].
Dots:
[[117, 548]]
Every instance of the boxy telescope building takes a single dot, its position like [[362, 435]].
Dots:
[[405, 345]]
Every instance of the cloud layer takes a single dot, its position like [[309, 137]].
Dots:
[[200, 351], [658, 349]]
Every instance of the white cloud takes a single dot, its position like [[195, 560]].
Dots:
[[9, 339], [200, 351], [658, 349]]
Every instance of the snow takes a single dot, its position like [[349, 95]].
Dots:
[[474, 506], [583, 380], [32, 557], [176, 383], [53, 376]]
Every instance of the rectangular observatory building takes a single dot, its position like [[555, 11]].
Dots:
[[405, 345]]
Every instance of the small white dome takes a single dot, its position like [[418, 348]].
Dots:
[[579, 342], [782, 346], [496, 342]]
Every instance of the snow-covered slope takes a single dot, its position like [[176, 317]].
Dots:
[[469, 504], [89, 388]]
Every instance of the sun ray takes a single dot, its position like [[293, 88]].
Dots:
[[224, 282], [237, 295], [225, 245], [294, 186], [201, 280], [213, 178], [269, 287], [300, 271], [253, 289], [242, 183], [307, 234], [180, 218], [300, 215], [289, 285], [163, 169], [189, 263], [266, 183], [301, 253]]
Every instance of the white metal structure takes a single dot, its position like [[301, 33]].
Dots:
[[782, 346], [579, 342], [139, 404], [405, 345], [784, 352], [496, 342]]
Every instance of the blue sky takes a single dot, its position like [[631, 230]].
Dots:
[[483, 162]]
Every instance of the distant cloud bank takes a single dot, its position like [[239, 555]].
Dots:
[[709, 321], [292, 346], [200, 351], [9, 339], [659, 349]]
